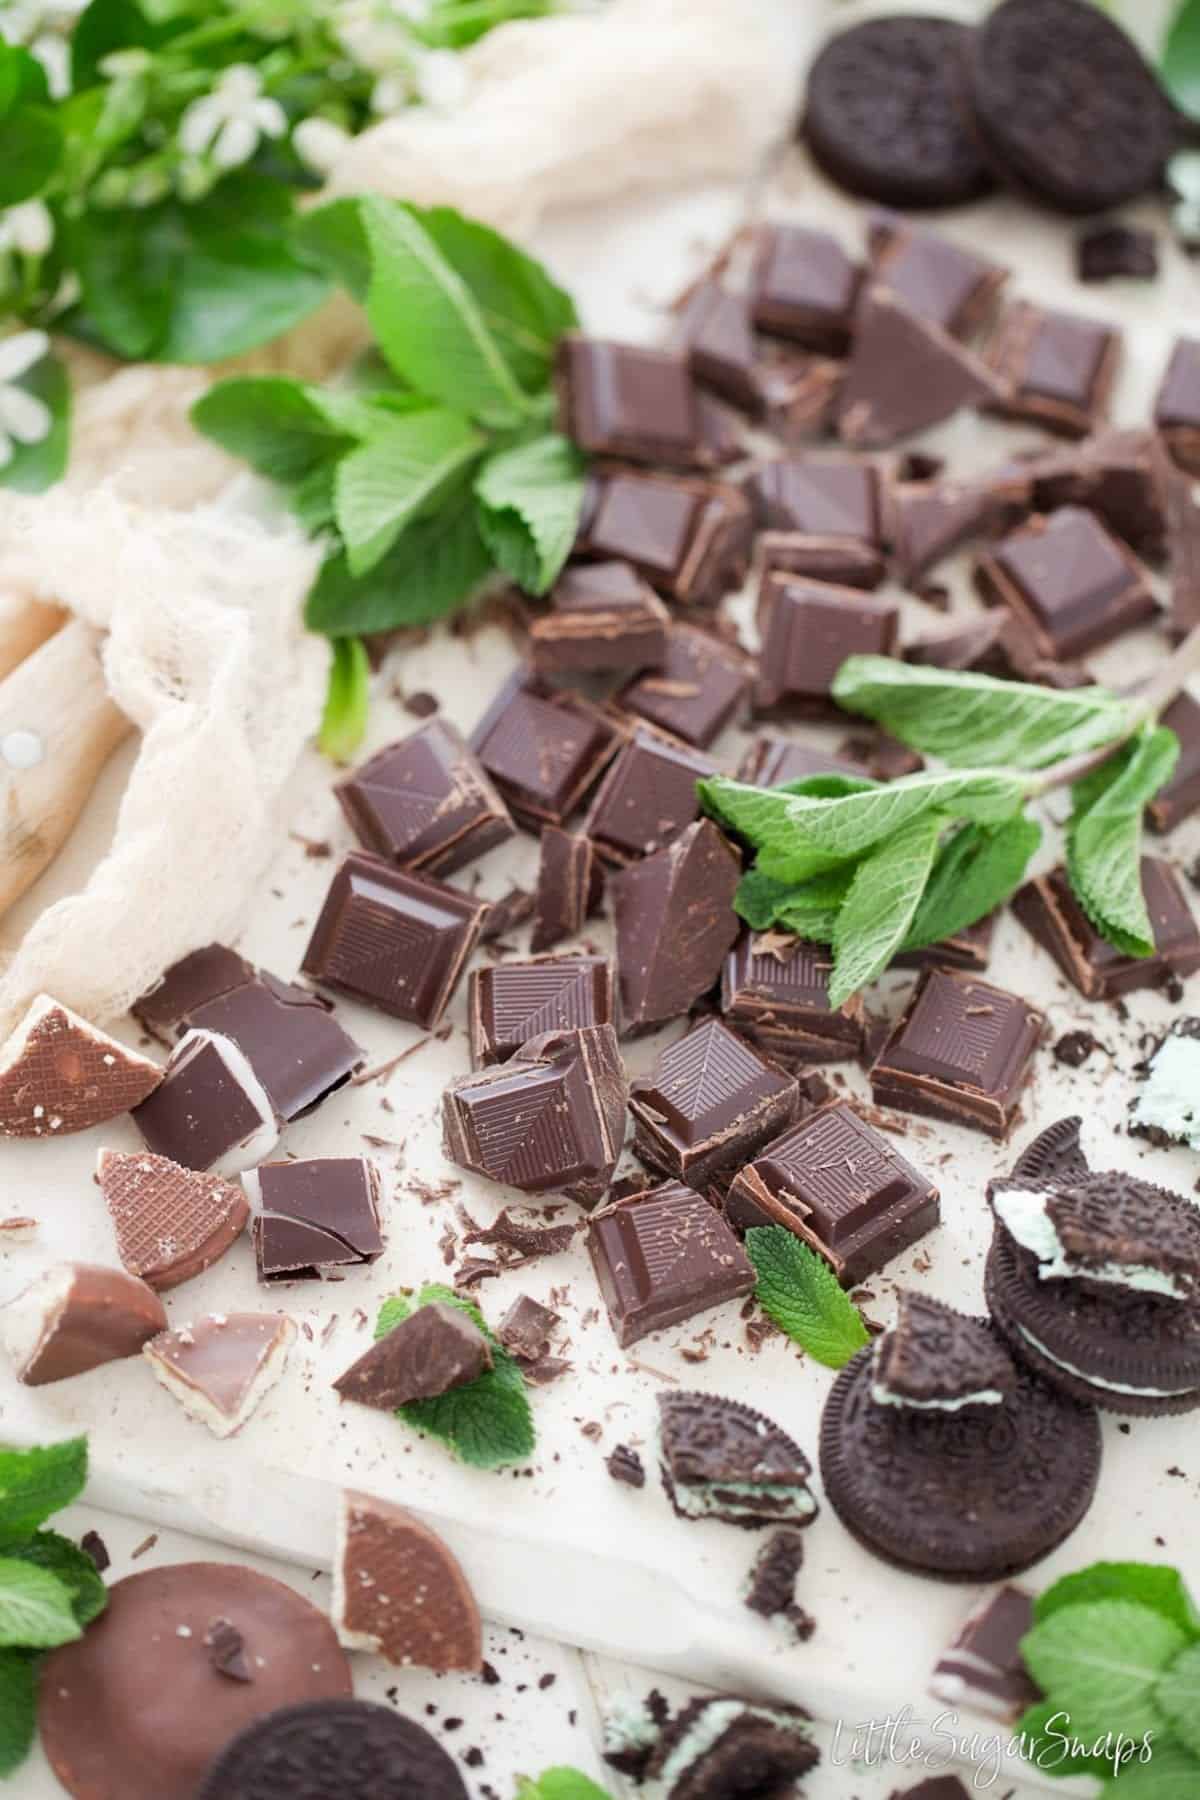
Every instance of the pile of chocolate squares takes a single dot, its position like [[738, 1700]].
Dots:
[[632, 671]]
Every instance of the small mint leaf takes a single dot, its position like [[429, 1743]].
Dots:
[[18, 1708], [1169, 1773], [879, 908], [810, 909], [1101, 1662], [400, 471], [1178, 1698], [1180, 62], [32, 468], [73, 1567], [486, 1423], [35, 1608], [1104, 839], [800, 1292], [36, 1483], [974, 873], [434, 566], [560, 1784], [347, 698], [530, 501], [1046, 1740], [1155, 1585], [283, 428]]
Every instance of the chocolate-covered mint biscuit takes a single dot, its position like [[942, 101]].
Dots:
[[344, 1747]]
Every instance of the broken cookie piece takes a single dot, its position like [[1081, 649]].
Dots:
[[722, 1460], [60, 1074], [75, 1317], [1107, 1228], [399, 1592], [935, 1359], [707, 1751], [222, 1365], [438, 1347], [171, 1222], [771, 1588], [313, 1215]]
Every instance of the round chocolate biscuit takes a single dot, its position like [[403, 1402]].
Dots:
[[1064, 106], [138, 1707], [346, 1748], [1054, 1155], [1111, 1339], [975, 1495], [883, 115]]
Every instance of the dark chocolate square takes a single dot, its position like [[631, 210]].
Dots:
[[1177, 406], [970, 948], [397, 941], [603, 616], [1053, 916], [569, 887], [1181, 795], [809, 628], [842, 1187], [711, 1100], [425, 803], [204, 974], [844, 561], [202, 1114], [690, 538], [775, 989], [622, 400], [662, 1256], [962, 1050], [772, 761], [694, 691], [820, 496], [983, 1668], [1059, 368], [543, 748], [314, 1214], [1068, 581], [805, 287], [716, 333], [647, 798], [938, 280], [510, 1002], [288, 1036]]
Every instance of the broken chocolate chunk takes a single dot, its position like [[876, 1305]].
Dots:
[[662, 1256], [438, 1347], [527, 1327], [626, 1466], [227, 1651], [314, 1215], [425, 803], [674, 924], [516, 1001]]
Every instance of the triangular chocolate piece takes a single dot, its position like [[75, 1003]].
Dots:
[[933, 1358], [59, 1074], [675, 924], [905, 375], [438, 1347], [171, 1222], [222, 1365], [399, 1592], [930, 519]]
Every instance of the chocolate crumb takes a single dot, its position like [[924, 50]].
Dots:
[[421, 705], [93, 1545], [1074, 1048], [772, 1585], [489, 1675], [227, 1650], [625, 1465]]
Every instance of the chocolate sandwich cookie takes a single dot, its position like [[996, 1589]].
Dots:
[[1055, 1154], [722, 1460], [1095, 1281], [724, 1748], [1064, 105], [138, 1707], [969, 1493], [883, 116], [344, 1747]]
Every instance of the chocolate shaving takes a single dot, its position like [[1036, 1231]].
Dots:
[[517, 1242], [93, 1545], [227, 1650]]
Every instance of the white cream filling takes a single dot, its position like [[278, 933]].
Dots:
[[32, 1316], [1023, 1212], [1112, 1387], [702, 1501], [1169, 1100], [629, 1728], [259, 1143], [711, 1727], [884, 1396]]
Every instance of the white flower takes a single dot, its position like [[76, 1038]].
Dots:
[[378, 33], [28, 229], [54, 54], [24, 419], [391, 94], [319, 144], [229, 121], [440, 79], [21, 21]]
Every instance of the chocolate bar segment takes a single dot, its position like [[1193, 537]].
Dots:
[[818, 496], [662, 1256], [210, 1111], [1068, 582], [689, 538], [510, 1002], [570, 885], [674, 923], [932, 519], [550, 1119], [983, 1668], [695, 690], [297, 1049], [841, 1187], [805, 287], [204, 974], [962, 1051], [647, 798], [1052, 915], [809, 629], [844, 561], [436, 1348], [717, 336], [772, 761], [1112, 474], [425, 803], [1177, 406], [625, 401], [1058, 367], [399, 942], [905, 375], [314, 1214], [775, 989], [935, 278], [543, 748], [970, 948], [602, 616], [710, 1102], [1181, 795]]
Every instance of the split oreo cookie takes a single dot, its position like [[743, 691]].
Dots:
[[1064, 105], [344, 1748], [970, 1495], [723, 1748], [883, 116], [722, 1460]]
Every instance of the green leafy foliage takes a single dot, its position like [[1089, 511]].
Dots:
[[34, 467], [344, 720], [433, 568], [1101, 1662], [1155, 1585], [1178, 1697], [486, 1423], [1180, 63], [284, 429], [36, 1483], [401, 471], [878, 910], [811, 910], [18, 1708], [35, 1607], [1169, 1774], [31, 137], [1104, 838], [976, 870], [800, 1292], [73, 1567], [529, 504], [560, 1784], [1048, 1742]]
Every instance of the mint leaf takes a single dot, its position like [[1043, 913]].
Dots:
[[34, 467], [403, 468], [488, 1422], [1046, 1740], [881, 903], [36, 1483], [560, 1784], [434, 565], [976, 871], [969, 719], [525, 311], [347, 698], [334, 237], [18, 1708], [1180, 62], [800, 1292], [86, 1592], [35, 1608], [810, 910], [283, 428], [1101, 1662], [1178, 1698], [530, 499], [1105, 834], [1170, 1774], [428, 323], [1155, 1585]]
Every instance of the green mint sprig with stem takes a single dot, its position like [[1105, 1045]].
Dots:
[[440, 466], [874, 870]]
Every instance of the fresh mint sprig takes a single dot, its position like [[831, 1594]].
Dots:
[[443, 470], [487, 1422], [799, 1291]]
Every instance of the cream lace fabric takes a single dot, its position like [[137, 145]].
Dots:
[[201, 602]]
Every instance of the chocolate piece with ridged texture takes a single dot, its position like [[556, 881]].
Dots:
[[399, 1592], [438, 1347], [397, 941], [663, 1256], [962, 1051], [425, 803], [60, 1074], [570, 886], [508, 1003], [674, 924], [1050, 912], [722, 1460], [346, 1747], [549, 1120], [775, 989], [171, 1223]]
